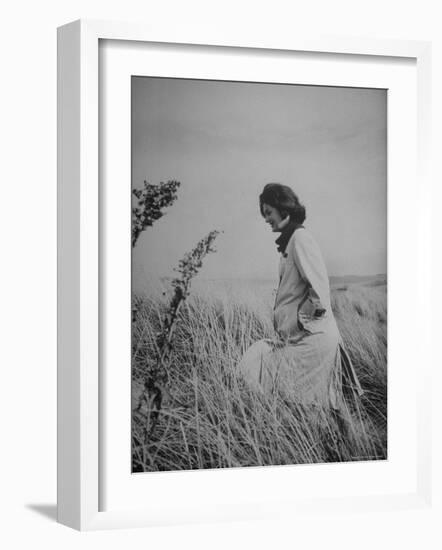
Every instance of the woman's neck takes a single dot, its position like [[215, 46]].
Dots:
[[289, 228]]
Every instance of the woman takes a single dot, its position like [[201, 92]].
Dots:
[[306, 358]]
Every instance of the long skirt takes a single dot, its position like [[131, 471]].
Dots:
[[309, 369]]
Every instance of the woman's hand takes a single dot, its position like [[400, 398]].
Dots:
[[310, 309]]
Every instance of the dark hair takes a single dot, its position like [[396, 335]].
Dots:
[[284, 200]]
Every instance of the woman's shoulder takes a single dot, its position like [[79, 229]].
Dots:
[[302, 236], [302, 242]]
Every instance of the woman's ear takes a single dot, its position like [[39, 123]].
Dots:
[[284, 222]]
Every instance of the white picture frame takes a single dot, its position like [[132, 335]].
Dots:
[[80, 292]]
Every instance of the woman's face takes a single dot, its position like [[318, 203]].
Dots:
[[272, 216]]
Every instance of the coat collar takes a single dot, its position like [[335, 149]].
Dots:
[[283, 240]]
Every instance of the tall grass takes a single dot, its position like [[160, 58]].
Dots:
[[211, 419]]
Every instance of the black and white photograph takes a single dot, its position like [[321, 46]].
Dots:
[[221, 281], [259, 274]]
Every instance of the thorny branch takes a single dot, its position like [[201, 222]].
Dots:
[[157, 373]]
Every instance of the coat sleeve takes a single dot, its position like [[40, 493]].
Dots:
[[310, 264]]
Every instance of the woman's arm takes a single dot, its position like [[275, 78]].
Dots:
[[310, 264]]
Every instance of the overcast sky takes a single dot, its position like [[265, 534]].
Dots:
[[225, 140]]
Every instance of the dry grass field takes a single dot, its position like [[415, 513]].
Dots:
[[210, 419]]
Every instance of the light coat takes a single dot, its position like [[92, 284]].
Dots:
[[307, 357]]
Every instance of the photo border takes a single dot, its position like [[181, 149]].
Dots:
[[79, 264]]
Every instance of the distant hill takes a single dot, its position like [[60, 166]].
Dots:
[[370, 280]]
